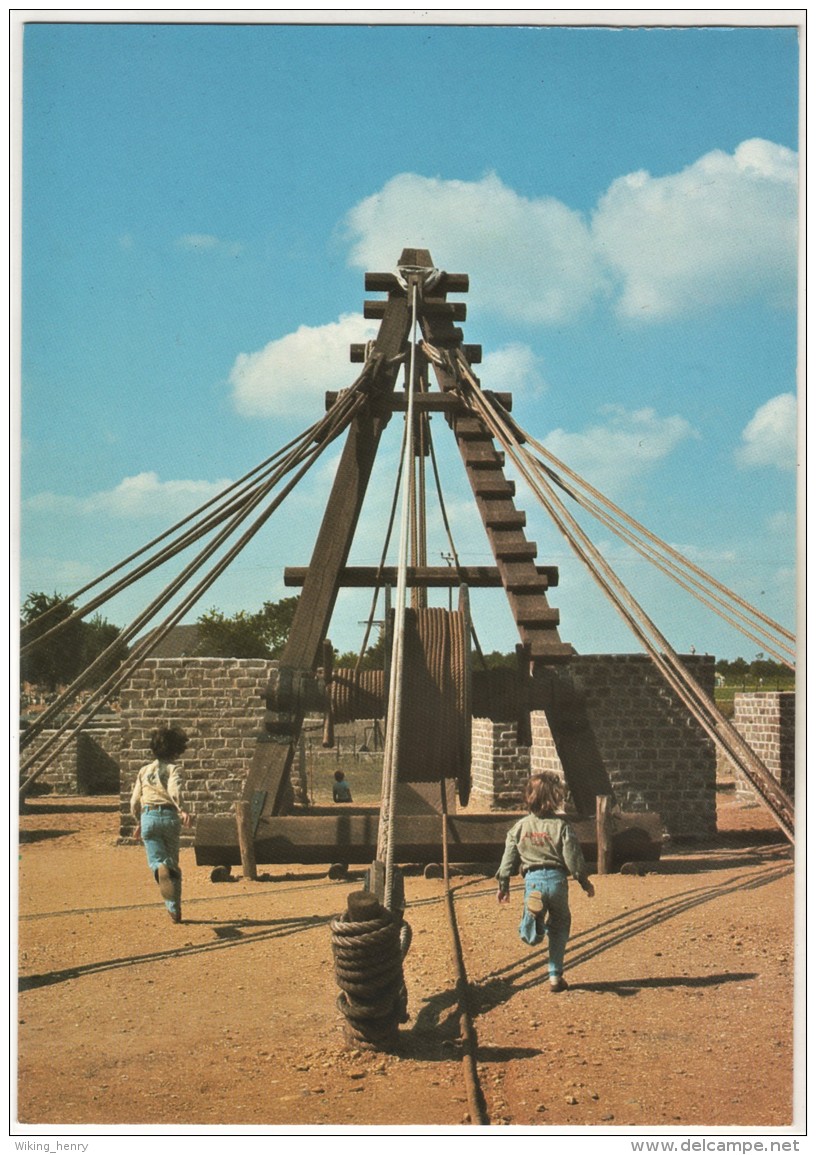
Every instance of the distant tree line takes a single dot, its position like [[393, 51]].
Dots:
[[739, 670], [246, 635], [59, 659]]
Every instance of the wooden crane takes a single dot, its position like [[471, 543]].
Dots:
[[444, 692]]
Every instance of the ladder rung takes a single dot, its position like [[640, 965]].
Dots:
[[502, 514], [511, 544]]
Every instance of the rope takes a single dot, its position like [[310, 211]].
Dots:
[[596, 503], [457, 564], [383, 556], [433, 711], [50, 750], [368, 967], [169, 551], [385, 836], [295, 448], [357, 694]]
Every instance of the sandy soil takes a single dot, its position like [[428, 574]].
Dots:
[[680, 1011]]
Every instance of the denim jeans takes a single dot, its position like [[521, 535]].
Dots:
[[161, 832], [553, 887]]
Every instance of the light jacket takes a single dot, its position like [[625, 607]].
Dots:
[[537, 842]]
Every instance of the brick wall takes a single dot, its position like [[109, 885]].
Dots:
[[543, 754], [654, 754], [218, 702], [499, 766], [767, 722], [89, 764]]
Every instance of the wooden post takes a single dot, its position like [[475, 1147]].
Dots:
[[603, 822], [246, 842]]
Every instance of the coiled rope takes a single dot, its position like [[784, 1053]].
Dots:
[[373, 1000]]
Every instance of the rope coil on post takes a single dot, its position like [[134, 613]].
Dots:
[[368, 954]]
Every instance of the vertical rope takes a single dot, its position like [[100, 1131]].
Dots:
[[385, 836]]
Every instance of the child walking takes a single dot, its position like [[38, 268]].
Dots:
[[156, 804], [548, 850]]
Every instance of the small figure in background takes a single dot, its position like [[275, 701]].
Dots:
[[341, 791]]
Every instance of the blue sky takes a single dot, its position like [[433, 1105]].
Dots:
[[200, 204]]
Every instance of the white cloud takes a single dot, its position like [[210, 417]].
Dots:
[[531, 259], [769, 438], [143, 495], [514, 367], [290, 375], [722, 230], [627, 445]]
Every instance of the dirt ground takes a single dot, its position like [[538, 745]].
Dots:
[[679, 1012]]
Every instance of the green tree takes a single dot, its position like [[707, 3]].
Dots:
[[97, 635], [246, 635], [496, 660], [57, 660]]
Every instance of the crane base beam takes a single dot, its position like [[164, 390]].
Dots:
[[323, 835]]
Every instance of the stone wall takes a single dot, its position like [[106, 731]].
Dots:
[[218, 702], [543, 754], [89, 764], [654, 756], [499, 766], [767, 722]]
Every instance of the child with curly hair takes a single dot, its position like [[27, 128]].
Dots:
[[156, 804]]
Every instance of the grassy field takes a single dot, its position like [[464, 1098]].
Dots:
[[354, 752]]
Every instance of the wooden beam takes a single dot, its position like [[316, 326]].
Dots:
[[473, 355], [246, 846], [434, 402], [604, 832], [433, 306], [326, 835], [423, 577], [269, 774], [388, 283]]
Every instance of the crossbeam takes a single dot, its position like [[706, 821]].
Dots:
[[350, 836], [432, 402], [422, 577]]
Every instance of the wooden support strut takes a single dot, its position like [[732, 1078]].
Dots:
[[536, 621], [267, 791]]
